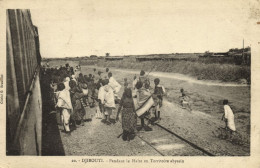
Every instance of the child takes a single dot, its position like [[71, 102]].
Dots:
[[101, 97], [228, 117], [134, 88], [109, 101], [184, 100], [159, 91], [125, 83]]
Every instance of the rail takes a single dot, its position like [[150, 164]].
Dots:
[[183, 139], [29, 93]]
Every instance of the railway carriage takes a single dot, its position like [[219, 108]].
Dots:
[[23, 96]]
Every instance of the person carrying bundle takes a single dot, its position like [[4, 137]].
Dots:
[[144, 102]]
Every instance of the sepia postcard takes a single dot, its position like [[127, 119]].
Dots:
[[113, 83]]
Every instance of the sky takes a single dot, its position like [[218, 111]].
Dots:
[[83, 28]]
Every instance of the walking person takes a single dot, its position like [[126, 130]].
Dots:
[[228, 117], [185, 100], [128, 115]]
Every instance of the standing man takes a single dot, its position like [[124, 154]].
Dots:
[[114, 85]]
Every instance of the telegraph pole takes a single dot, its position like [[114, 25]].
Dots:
[[243, 57]]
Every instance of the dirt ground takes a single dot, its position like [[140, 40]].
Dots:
[[207, 110]]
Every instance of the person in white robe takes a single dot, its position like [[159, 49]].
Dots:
[[66, 83], [228, 116], [114, 85], [64, 103], [101, 98], [109, 101]]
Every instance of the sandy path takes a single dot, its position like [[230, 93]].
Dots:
[[197, 126], [178, 77]]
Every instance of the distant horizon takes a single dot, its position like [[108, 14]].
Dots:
[[146, 54], [142, 28]]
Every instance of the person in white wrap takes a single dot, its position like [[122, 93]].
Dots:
[[109, 101], [114, 85], [101, 99], [228, 117], [64, 103], [66, 83]]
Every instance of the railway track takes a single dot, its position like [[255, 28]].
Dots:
[[166, 138], [163, 137]]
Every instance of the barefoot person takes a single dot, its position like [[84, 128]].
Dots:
[[128, 115], [159, 91], [65, 106], [101, 99], [143, 95], [114, 85], [185, 100], [109, 101], [78, 109], [228, 117]]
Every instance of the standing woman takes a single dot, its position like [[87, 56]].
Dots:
[[128, 115], [78, 109]]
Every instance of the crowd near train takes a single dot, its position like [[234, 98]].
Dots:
[[73, 93]]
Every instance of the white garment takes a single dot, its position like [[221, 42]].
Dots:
[[230, 117], [65, 117], [98, 113], [101, 94], [74, 78], [134, 83], [109, 99], [64, 100], [66, 83], [114, 84]]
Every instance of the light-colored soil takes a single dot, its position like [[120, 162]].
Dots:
[[205, 118]]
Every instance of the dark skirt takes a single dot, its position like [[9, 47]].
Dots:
[[78, 111], [128, 120]]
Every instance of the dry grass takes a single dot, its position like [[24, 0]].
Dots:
[[212, 71]]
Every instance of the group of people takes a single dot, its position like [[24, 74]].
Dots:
[[140, 101], [75, 91], [71, 92]]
